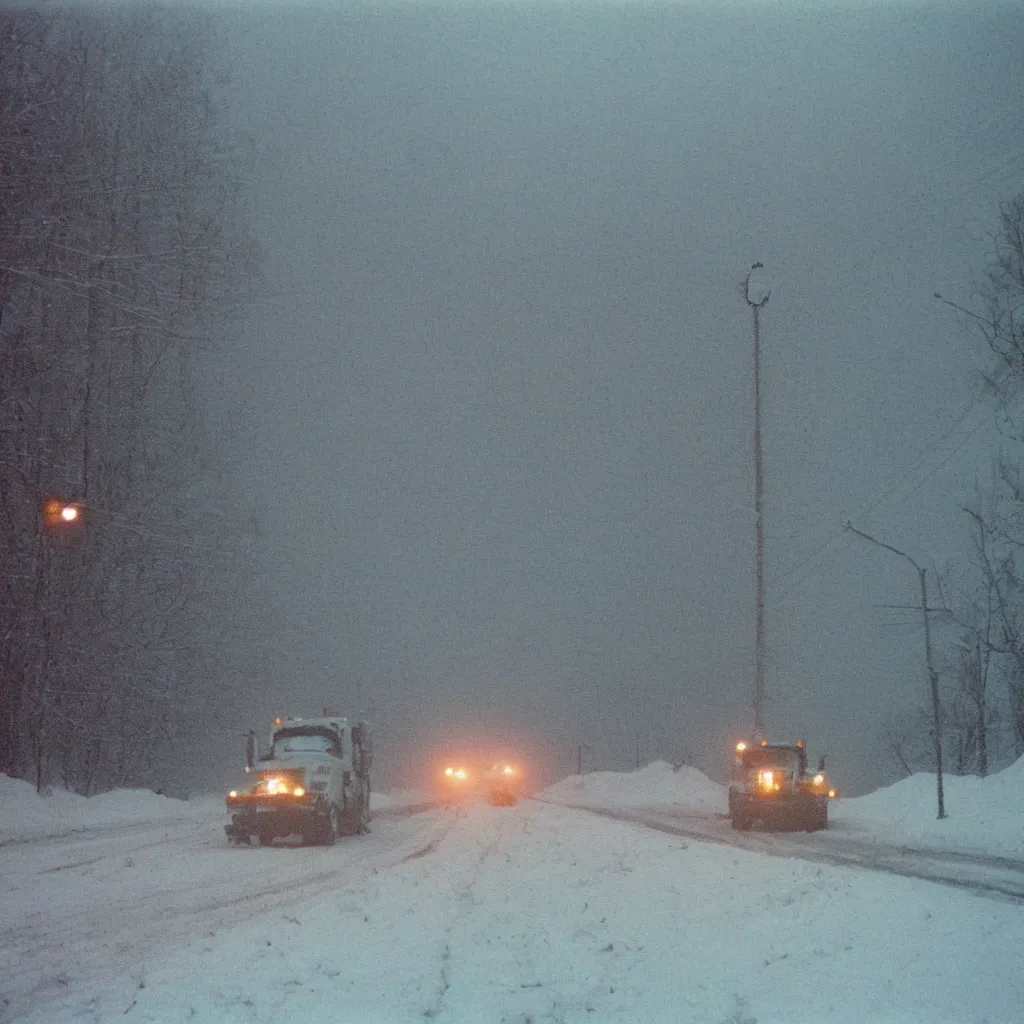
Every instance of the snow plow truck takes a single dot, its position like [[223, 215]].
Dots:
[[313, 782], [503, 784], [771, 784]]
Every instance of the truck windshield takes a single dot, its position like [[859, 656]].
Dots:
[[307, 743], [766, 757]]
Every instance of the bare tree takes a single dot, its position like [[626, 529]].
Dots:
[[120, 247], [971, 657], [993, 642]]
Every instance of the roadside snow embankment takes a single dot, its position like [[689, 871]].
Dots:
[[982, 815], [658, 785], [25, 815]]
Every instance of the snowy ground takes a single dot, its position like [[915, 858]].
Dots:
[[132, 907], [982, 815]]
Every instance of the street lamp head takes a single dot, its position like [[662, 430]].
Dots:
[[758, 286], [59, 515]]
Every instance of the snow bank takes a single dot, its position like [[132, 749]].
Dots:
[[981, 814], [25, 814], [381, 801], [657, 785], [399, 799]]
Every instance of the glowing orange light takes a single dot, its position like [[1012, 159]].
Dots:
[[57, 514], [741, 746]]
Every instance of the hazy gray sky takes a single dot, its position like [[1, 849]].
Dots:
[[495, 406]]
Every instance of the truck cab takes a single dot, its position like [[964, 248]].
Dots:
[[770, 783], [313, 781]]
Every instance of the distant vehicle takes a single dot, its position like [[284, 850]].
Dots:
[[457, 782], [770, 784], [504, 784], [313, 782]]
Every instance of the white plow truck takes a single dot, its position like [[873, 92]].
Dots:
[[314, 782]]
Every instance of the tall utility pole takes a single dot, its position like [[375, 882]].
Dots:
[[757, 291], [933, 676]]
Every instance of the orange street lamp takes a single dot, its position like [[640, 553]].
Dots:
[[60, 514]]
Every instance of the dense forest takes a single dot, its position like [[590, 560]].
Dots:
[[123, 246]]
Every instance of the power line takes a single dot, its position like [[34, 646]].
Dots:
[[909, 485]]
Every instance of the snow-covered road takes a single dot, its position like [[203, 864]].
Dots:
[[84, 904], [999, 877], [480, 914]]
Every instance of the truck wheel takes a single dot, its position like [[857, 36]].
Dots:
[[348, 821], [323, 830]]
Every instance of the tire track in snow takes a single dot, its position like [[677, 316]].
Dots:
[[463, 902], [994, 877], [62, 932]]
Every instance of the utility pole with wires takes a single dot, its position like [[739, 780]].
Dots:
[[933, 675], [757, 290]]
